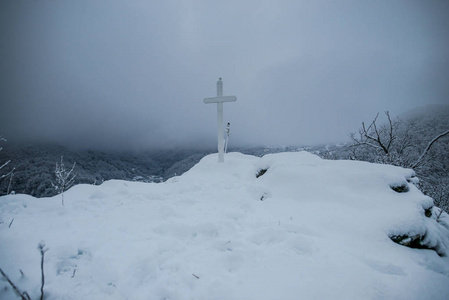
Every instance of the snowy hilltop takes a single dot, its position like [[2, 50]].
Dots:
[[283, 226]]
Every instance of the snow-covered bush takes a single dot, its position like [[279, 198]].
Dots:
[[6, 174], [64, 178], [3, 164]]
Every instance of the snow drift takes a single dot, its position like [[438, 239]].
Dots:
[[305, 228]]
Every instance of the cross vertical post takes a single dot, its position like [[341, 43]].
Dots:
[[219, 100]]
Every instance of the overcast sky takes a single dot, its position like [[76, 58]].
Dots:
[[132, 75]]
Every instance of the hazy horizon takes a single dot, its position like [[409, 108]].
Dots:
[[132, 75]]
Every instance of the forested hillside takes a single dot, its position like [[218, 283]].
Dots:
[[34, 166]]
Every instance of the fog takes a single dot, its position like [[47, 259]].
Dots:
[[132, 75]]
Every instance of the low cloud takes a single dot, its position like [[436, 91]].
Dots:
[[132, 75]]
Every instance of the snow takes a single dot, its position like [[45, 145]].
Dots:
[[306, 229]]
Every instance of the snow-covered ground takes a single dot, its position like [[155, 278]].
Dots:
[[306, 229]]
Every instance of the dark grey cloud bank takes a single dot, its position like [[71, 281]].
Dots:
[[132, 74]]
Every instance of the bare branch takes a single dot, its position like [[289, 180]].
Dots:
[[23, 295], [391, 127], [42, 251], [418, 162], [4, 165], [374, 135], [370, 144], [10, 181], [361, 140]]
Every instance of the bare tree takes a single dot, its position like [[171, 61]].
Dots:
[[64, 178], [409, 144], [392, 141], [379, 137]]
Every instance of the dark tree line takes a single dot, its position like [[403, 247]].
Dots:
[[35, 167]]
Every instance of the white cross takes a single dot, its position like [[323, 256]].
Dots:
[[219, 100]]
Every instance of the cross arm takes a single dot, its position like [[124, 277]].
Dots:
[[220, 99]]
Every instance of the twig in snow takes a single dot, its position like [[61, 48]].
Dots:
[[42, 250], [10, 181], [195, 276], [11, 223], [23, 295], [439, 214]]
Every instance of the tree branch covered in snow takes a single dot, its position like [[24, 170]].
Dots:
[[417, 163]]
